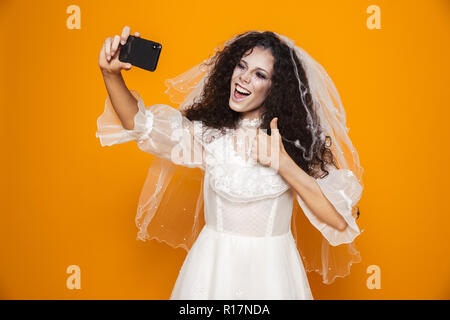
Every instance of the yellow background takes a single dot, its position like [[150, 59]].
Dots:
[[68, 201]]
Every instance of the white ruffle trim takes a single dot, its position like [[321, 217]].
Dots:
[[342, 189], [240, 181], [110, 130]]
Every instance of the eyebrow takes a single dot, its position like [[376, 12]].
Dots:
[[256, 68]]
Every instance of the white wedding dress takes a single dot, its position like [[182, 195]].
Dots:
[[246, 249]]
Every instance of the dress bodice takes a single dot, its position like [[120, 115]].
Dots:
[[242, 196]]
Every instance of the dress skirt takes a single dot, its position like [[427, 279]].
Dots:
[[226, 266]]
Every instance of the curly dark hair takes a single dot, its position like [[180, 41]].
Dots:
[[282, 101]]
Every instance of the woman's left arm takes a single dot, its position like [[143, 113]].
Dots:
[[308, 189], [303, 184]]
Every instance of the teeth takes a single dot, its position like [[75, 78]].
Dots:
[[241, 91]]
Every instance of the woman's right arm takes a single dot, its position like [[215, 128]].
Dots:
[[158, 129], [123, 102]]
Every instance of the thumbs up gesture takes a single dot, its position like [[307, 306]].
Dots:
[[268, 150]]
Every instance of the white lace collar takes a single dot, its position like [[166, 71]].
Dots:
[[254, 123]]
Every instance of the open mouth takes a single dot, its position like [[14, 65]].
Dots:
[[239, 93]]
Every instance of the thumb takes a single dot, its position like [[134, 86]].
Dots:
[[274, 123], [127, 66]]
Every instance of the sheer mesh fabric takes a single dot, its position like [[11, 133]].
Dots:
[[261, 218]]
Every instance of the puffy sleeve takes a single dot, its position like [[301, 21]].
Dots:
[[159, 129], [342, 189]]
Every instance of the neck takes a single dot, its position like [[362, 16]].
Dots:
[[251, 115]]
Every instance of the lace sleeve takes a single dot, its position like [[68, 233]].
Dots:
[[342, 189], [158, 129]]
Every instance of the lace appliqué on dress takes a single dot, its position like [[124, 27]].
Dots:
[[239, 180]]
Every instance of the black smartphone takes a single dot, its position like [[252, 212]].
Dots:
[[140, 52]]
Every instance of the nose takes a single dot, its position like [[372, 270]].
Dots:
[[245, 77]]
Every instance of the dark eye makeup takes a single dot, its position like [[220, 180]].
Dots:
[[258, 73]]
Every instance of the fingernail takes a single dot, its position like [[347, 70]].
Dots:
[[122, 42]]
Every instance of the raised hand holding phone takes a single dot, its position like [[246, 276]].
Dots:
[[122, 52], [108, 60]]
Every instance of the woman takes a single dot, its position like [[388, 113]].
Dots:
[[256, 129]]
